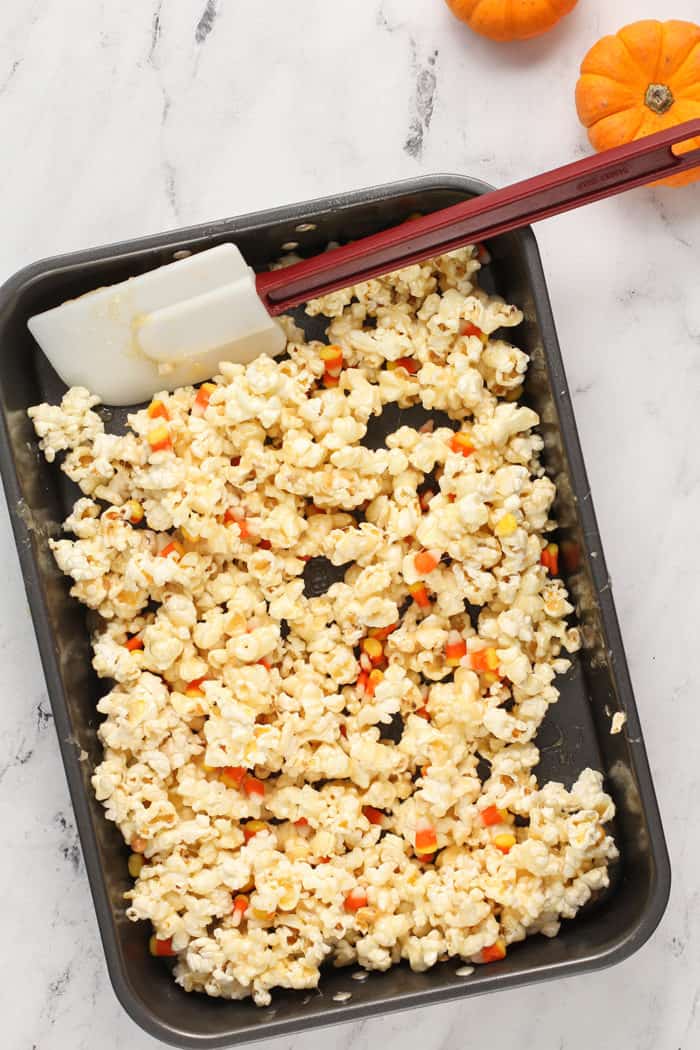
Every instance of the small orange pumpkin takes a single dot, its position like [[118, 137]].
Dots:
[[644, 79], [511, 19]]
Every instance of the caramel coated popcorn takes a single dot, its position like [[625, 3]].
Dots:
[[301, 776]]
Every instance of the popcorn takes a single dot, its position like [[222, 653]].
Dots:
[[298, 775], [69, 425]]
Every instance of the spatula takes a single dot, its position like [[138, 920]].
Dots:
[[174, 325]]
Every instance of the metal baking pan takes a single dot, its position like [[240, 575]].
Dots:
[[575, 734]]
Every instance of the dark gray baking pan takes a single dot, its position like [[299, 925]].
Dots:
[[575, 734]]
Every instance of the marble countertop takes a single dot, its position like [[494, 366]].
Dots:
[[122, 118]]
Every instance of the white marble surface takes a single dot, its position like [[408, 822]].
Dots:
[[123, 117]]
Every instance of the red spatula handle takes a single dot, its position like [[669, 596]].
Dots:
[[562, 189]]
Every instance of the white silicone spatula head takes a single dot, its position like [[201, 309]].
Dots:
[[162, 329]]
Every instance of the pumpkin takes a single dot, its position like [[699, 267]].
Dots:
[[511, 19], [644, 79]]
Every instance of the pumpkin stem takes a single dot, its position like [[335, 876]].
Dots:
[[659, 98]]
